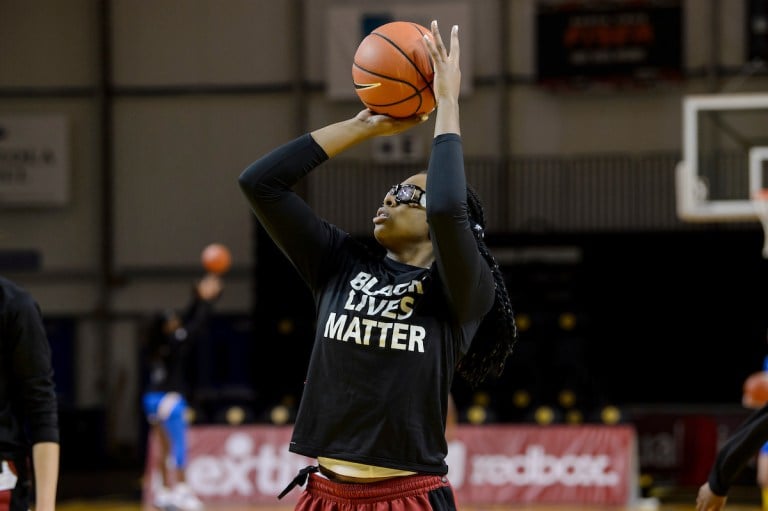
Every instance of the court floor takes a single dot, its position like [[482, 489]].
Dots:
[[97, 505]]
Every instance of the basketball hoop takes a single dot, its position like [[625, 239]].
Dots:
[[760, 201]]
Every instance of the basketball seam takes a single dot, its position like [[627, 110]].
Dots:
[[394, 45], [391, 78], [417, 92], [407, 98]]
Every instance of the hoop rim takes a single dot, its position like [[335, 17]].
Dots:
[[760, 195]]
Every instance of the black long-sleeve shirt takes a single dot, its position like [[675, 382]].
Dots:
[[28, 404], [740, 447], [388, 334]]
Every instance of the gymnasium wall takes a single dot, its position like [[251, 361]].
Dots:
[[167, 101]]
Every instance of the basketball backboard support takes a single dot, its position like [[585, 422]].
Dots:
[[760, 202], [757, 158], [725, 146]]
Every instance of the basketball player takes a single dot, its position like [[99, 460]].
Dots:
[[734, 456], [392, 329], [29, 417], [731, 460], [172, 338], [762, 456]]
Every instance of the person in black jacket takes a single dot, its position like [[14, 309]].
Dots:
[[29, 416], [172, 340], [731, 459], [393, 329]]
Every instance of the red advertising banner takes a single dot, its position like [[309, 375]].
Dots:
[[678, 447], [553, 464], [589, 464]]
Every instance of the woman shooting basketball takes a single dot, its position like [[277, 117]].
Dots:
[[393, 330]]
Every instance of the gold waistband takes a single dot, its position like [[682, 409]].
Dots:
[[351, 472]]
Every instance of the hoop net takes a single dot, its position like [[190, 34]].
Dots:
[[760, 201]]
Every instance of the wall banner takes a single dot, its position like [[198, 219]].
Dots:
[[34, 160], [588, 465]]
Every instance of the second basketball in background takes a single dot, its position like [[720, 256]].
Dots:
[[216, 258]]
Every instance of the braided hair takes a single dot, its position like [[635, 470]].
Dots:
[[497, 333]]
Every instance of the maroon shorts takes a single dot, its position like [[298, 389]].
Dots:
[[410, 493], [18, 498], [11, 501]]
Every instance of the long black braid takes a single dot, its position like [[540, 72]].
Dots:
[[497, 334]]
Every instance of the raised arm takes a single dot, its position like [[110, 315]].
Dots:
[[467, 277], [338, 137], [731, 460], [267, 183], [447, 83]]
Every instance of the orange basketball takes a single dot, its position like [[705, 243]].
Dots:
[[756, 387], [216, 258], [392, 70]]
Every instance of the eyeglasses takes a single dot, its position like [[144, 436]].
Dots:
[[409, 194]]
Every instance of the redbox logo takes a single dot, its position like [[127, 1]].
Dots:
[[536, 468]]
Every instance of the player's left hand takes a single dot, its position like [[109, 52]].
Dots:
[[210, 287]]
